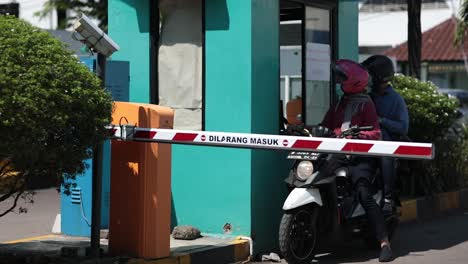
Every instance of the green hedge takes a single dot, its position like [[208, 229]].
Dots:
[[431, 113], [433, 118]]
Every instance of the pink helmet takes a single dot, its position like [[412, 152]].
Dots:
[[353, 77]]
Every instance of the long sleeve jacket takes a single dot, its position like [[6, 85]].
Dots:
[[365, 116], [393, 113]]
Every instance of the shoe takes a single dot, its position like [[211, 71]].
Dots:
[[387, 208], [386, 254]]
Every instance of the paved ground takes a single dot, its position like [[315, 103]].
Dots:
[[442, 240], [37, 222]]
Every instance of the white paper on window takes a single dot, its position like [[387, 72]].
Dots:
[[318, 59]]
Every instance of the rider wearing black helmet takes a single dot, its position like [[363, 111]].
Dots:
[[380, 68], [392, 112]]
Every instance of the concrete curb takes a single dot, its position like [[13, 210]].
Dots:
[[235, 251], [427, 207]]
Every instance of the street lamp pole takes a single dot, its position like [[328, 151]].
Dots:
[[97, 174], [98, 41]]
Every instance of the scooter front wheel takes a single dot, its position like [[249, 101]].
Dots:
[[298, 235]]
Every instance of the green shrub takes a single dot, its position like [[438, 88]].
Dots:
[[452, 164], [431, 113], [52, 108], [432, 119]]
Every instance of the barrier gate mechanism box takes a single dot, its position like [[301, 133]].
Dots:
[[140, 210]]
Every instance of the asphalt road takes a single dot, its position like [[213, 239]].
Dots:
[[38, 221], [440, 240]]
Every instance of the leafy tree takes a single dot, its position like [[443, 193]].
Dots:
[[52, 109], [92, 8]]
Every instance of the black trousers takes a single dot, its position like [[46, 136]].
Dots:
[[362, 173], [388, 172]]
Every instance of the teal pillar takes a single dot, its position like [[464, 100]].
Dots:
[[236, 191], [129, 28], [211, 186], [348, 37], [269, 168]]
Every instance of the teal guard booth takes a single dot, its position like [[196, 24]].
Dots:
[[76, 207], [224, 192]]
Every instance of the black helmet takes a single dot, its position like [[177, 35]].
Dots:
[[380, 67]]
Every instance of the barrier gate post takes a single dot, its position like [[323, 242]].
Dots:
[[140, 199]]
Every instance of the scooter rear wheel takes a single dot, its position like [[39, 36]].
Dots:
[[298, 234]]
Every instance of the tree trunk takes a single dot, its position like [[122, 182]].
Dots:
[[414, 38]]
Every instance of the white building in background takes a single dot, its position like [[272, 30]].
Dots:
[[27, 9], [383, 24]]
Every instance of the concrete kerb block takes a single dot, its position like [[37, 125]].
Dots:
[[178, 259], [430, 206], [464, 198], [235, 251], [242, 250], [449, 201], [159, 261], [427, 207], [409, 211], [215, 254]]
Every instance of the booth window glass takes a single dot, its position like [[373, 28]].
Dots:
[[291, 39], [307, 49], [318, 57]]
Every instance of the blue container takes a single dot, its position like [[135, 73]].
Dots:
[[76, 207]]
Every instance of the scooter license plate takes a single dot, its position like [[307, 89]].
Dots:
[[296, 155]]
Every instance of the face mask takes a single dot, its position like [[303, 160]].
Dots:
[[339, 90]]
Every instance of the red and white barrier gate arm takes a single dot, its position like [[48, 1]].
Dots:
[[274, 142]]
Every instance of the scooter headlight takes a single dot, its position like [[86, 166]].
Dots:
[[304, 170]]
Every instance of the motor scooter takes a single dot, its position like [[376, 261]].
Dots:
[[322, 201]]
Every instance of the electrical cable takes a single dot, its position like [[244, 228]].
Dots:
[[122, 126], [82, 211]]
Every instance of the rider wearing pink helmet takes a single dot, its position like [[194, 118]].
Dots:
[[357, 109], [353, 77]]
